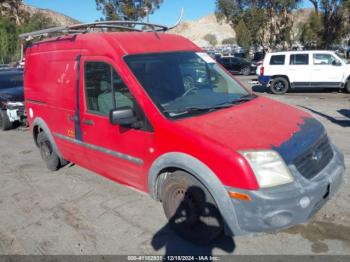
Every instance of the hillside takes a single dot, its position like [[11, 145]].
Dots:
[[57, 18], [196, 30]]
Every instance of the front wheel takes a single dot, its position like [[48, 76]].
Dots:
[[190, 208], [279, 86], [245, 71]]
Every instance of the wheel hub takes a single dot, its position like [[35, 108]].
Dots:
[[186, 207], [279, 86], [45, 151]]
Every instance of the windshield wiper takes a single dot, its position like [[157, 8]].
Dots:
[[239, 100], [189, 110], [244, 98]]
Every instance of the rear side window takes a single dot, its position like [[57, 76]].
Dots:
[[104, 89], [299, 59], [277, 60]]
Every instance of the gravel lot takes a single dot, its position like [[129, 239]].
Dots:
[[74, 211]]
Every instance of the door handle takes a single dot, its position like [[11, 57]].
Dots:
[[88, 122]]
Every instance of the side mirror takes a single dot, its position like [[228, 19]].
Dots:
[[336, 63], [123, 116]]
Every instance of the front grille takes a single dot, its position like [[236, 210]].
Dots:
[[314, 159]]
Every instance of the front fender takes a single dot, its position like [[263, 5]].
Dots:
[[205, 175]]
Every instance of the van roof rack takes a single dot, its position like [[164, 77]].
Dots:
[[89, 27]]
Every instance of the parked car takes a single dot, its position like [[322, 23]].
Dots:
[[5, 67], [282, 71], [11, 99], [258, 58], [238, 65], [219, 158]]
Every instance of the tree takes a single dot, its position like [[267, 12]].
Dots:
[[229, 41], [8, 40], [9, 31], [211, 39], [268, 23], [243, 39], [133, 10], [37, 22], [334, 15], [315, 4], [333, 22], [311, 31]]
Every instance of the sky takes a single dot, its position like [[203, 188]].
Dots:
[[168, 14], [85, 10]]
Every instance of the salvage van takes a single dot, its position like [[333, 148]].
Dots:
[[218, 157]]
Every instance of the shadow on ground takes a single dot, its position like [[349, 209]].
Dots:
[[340, 122], [175, 245], [264, 89]]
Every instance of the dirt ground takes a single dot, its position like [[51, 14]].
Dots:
[[74, 211]]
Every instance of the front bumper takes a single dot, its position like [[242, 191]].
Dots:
[[285, 206], [16, 111]]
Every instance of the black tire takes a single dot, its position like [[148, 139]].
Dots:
[[188, 82], [47, 153], [279, 86], [245, 71], [5, 123], [190, 208], [347, 87]]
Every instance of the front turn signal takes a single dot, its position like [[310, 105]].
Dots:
[[240, 196]]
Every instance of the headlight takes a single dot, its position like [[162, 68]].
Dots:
[[269, 168]]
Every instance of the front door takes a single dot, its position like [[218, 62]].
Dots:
[[114, 151], [325, 72]]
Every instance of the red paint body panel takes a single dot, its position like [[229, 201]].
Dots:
[[50, 91]]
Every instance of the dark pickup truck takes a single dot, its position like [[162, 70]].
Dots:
[[12, 111]]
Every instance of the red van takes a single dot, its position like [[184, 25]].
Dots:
[[152, 111]]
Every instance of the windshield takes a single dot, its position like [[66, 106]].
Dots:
[[186, 83]]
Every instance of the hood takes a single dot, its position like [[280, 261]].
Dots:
[[15, 94], [347, 68], [259, 124]]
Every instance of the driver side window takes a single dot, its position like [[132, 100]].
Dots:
[[104, 89], [324, 59]]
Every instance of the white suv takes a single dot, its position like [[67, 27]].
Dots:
[[322, 69]]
